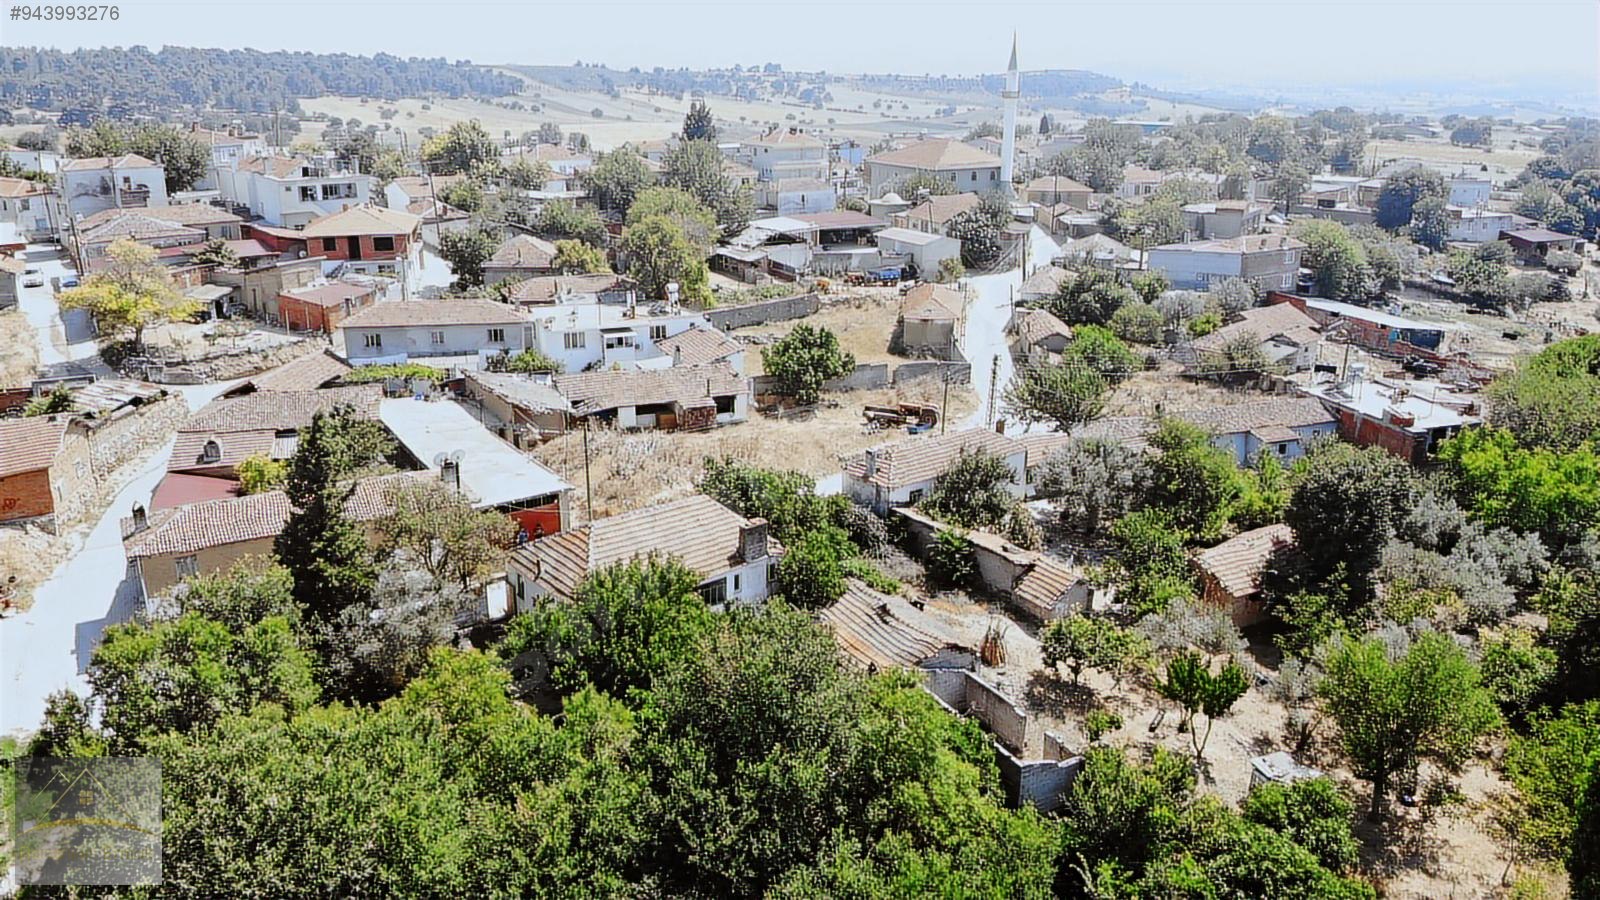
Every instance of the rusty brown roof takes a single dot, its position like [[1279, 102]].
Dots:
[[444, 311], [697, 531], [876, 630], [699, 346], [924, 457], [934, 302], [307, 373], [216, 523], [1264, 322], [592, 392], [523, 252], [1237, 563], [31, 443], [1039, 588]]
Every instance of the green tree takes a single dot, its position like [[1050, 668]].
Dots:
[[59, 400], [466, 251], [1430, 222], [1092, 297], [437, 529], [466, 195], [950, 270], [526, 175], [1192, 685], [132, 292], [698, 124], [627, 626], [562, 219], [1151, 558], [695, 167], [325, 552], [1394, 710], [979, 230], [464, 148], [1583, 859], [1289, 181], [698, 223], [974, 492], [1314, 814], [216, 253], [1553, 492], [1337, 258], [1090, 642], [530, 361], [187, 673], [250, 590], [183, 157], [260, 473], [950, 560], [1195, 482], [1067, 394], [616, 178], [912, 187], [1402, 191], [658, 253], [577, 258], [1138, 323], [804, 359], [1346, 504], [810, 575], [1552, 399]]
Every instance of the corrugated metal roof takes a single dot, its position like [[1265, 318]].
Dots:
[[877, 630]]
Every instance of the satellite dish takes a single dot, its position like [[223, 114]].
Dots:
[[439, 460], [457, 456]]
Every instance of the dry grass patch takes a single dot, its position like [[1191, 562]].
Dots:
[[30, 554], [20, 361], [629, 470], [1166, 390], [864, 321]]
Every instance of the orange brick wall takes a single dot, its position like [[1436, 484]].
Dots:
[[25, 496]]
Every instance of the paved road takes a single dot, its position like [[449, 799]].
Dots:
[[39, 306], [987, 315], [48, 647]]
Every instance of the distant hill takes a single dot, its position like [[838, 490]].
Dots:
[[136, 79]]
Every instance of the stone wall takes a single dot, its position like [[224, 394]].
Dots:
[[761, 312], [134, 430], [956, 372], [223, 364], [1041, 782]]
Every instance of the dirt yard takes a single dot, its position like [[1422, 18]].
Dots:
[[629, 470], [1166, 390], [20, 362], [29, 554], [1420, 854], [864, 321]]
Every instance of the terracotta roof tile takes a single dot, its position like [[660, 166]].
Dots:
[[363, 220], [1264, 322], [417, 313], [215, 523], [697, 531], [924, 457], [699, 346], [932, 301], [523, 252], [879, 631], [1237, 563], [936, 154], [31, 443], [592, 392]]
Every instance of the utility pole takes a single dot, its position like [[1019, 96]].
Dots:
[[588, 486], [944, 404], [994, 385]]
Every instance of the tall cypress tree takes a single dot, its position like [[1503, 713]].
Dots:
[[324, 551]]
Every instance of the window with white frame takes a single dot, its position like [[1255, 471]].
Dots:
[[573, 340], [658, 332], [436, 337], [497, 335], [372, 340]]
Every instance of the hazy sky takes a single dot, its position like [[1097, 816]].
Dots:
[[1551, 44]]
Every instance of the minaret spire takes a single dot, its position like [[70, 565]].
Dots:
[[1008, 141]]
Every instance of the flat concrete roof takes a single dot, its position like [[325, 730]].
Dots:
[[492, 471]]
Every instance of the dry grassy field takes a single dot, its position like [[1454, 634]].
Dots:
[[629, 470], [21, 359]]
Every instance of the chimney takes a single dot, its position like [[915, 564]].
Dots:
[[450, 474], [753, 540], [677, 355], [141, 518], [872, 463]]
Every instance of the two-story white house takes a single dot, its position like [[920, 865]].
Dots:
[[290, 192], [228, 148], [584, 334], [1269, 261], [34, 208], [968, 169], [398, 330], [1476, 225], [99, 183], [735, 558], [792, 172]]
